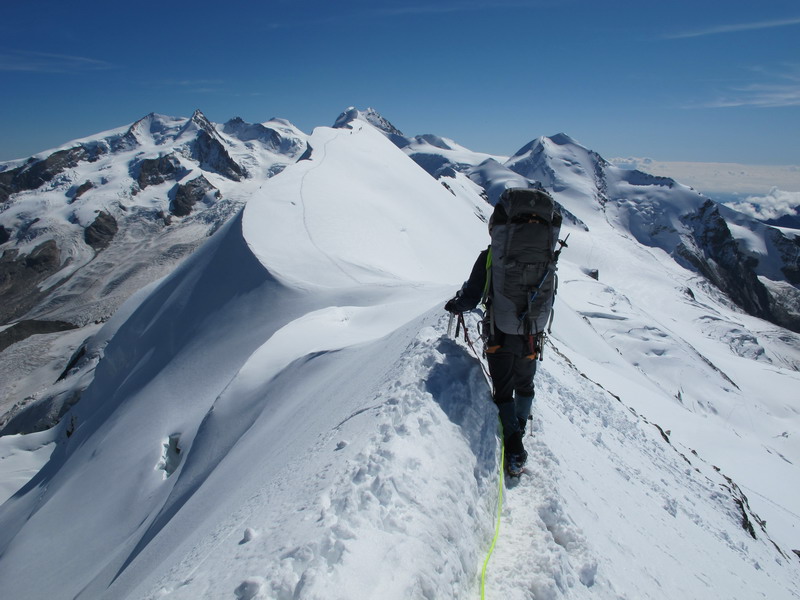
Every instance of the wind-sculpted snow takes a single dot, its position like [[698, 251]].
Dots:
[[211, 368], [339, 219], [160, 374], [378, 499]]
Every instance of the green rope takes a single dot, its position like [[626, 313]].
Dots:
[[502, 451], [497, 524]]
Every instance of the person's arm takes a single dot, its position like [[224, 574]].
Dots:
[[472, 291]]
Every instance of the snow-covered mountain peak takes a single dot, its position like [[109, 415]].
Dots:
[[562, 165], [278, 121], [559, 147], [436, 141], [277, 136], [197, 124], [360, 234], [371, 116], [561, 139], [155, 129]]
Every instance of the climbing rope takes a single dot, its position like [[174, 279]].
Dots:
[[497, 522], [462, 326]]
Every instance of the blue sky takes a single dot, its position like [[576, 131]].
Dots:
[[677, 81]]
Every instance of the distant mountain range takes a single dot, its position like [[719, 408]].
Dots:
[[84, 226]]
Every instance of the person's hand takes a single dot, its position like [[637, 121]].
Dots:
[[452, 306]]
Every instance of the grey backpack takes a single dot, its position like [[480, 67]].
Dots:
[[522, 282]]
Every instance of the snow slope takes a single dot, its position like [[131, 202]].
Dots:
[[754, 265], [724, 382], [284, 416], [205, 354]]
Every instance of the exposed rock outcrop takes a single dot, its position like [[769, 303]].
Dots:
[[374, 118], [20, 277], [789, 249], [25, 329], [82, 189], [102, 230], [713, 252], [35, 172], [152, 171], [209, 151], [188, 194]]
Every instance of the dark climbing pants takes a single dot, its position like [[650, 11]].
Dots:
[[512, 375]]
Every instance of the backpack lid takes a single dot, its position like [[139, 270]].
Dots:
[[519, 203]]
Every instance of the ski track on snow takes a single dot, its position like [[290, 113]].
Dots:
[[303, 201]]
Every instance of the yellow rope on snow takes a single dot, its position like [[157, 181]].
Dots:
[[497, 524]]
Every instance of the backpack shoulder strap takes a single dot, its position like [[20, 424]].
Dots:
[[487, 288]]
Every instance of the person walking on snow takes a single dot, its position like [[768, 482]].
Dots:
[[524, 236]]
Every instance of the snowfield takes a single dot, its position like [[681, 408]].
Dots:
[[285, 416]]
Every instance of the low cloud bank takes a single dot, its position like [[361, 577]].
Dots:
[[723, 178], [776, 204]]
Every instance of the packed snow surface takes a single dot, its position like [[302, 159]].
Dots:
[[286, 417]]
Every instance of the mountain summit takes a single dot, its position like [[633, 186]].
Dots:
[[370, 116]]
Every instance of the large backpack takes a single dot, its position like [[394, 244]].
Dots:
[[521, 282]]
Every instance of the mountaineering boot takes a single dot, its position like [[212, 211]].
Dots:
[[515, 464], [516, 456], [512, 439]]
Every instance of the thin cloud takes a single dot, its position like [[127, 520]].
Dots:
[[759, 96], [196, 85], [779, 87], [190, 86], [451, 8], [443, 8], [734, 28], [44, 62]]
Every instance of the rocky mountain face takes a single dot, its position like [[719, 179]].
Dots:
[[755, 266], [61, 210], [84, 227]]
